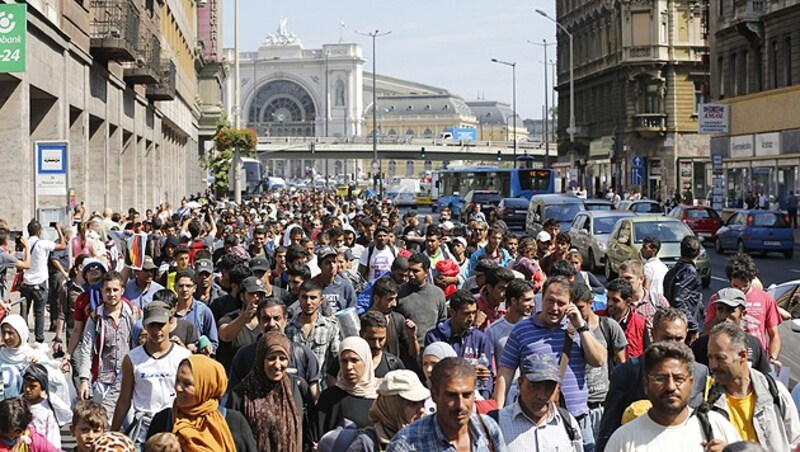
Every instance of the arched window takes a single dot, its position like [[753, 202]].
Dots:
[[392, 168], [409, 168], [428, 165], [409, 132], [392, 133], [427, 133]]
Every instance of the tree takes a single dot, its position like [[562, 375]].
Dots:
[[226, 140]]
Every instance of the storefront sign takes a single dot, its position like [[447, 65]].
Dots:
[[13, 37], [768, 143], [742, 146], [713, 119], [601, 147]]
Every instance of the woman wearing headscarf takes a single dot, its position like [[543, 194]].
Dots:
[[275, 403], [432, 354], [196, 417], [401, 400], [16, 355], [355, 390]]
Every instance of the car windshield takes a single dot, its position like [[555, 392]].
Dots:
[[666, 231], [698, 214], [768, 220], [516, 203], [604, 225], [482, 198], [562, 212], [599, 206]]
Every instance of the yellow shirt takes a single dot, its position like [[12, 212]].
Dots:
[[741, 415]]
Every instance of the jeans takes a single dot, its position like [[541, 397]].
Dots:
[[587, 432], [36, 295], [57, 284]]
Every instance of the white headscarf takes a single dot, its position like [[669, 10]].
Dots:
[[367, 385], [23, 351]]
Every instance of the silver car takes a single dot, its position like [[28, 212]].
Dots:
[[589, 233]]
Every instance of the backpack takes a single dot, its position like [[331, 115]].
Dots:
[[572, 433], [196, 246]]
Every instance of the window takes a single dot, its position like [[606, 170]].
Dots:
[[745, 73], [721, 75], [732, 75], [392, 133], [427, 133], [774, 64], [409, 132], [700, 95], [787, 61], [758, 64], [652, 102]]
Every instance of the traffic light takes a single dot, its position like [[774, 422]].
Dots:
[[422, 153], [499, 156]]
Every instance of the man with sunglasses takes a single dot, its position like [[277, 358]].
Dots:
[[140, 289]]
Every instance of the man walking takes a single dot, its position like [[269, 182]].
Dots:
[[34, 280]]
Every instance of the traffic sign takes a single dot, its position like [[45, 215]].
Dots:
[[13, 37], [638, 161], [637, 175], [716, 160]]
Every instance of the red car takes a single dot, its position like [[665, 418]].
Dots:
[[704, 221]]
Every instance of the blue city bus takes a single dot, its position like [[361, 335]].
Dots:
[[452, 184]]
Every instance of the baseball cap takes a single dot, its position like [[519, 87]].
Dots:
[[731, 297], [203, 266], [326, 251], [404, 383], [543, 236], [251, 284], [447, 226], [259, 264], [540, 368], [148, 264], [156, 312], [461, 240]]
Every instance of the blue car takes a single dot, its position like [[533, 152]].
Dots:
[[756, 230]]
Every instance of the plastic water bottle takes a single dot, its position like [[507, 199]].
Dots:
[[482, 385]]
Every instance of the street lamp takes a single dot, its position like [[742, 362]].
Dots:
[[544, 45], [513, 99], [375, 34], [237, 157], [571, 76]]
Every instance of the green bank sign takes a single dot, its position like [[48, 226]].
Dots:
[[13, 35]]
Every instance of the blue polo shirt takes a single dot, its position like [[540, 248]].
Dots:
[[529, 336], [137, 297]]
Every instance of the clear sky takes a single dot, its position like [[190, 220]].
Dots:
[[443, 43]]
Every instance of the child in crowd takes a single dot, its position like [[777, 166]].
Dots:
[[88, 423], [17, 431], [163, 442], [34, 391]]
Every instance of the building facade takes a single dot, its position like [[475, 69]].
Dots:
[[755, 66], [640, 70], [116, 81]]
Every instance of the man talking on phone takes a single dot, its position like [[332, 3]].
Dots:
[[560, 333], [34, 281]]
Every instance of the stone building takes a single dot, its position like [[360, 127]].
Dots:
[[116, 80], [755, 69], [640, 72]]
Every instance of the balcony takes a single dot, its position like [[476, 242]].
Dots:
[[650, 125], [165, 88], [114, 30], [145, 71]]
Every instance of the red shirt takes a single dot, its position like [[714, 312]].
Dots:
[[762, 314], [492, 314], [635, 327]]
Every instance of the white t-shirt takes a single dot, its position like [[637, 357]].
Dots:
[[40, 251], [644, 435], [380, 262], [654, 271]]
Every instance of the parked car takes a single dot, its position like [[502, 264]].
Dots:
[[590, 231], [514, 211], [486, 199], [642, 207], [756, 230], [704, 221], [598, 204], [787, 295], [561, 207], [403, 198], [629, 233]]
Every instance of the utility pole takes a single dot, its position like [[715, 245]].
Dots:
[[237, 157], [376, 164]]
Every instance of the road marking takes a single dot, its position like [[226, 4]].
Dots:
[[717, 278]]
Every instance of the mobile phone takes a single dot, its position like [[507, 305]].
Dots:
[[52, 224]]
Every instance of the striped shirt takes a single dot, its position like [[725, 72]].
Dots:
[[425, 435], [523, 435], [529, 336]]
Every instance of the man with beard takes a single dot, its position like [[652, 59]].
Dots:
[[669, 425], [455, 426], [619, 293], [420, 301], [272, 316], [759, 407]]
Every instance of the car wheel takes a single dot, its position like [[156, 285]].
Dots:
[[718, 246], [610, 275], [740, 247], [592, 265], [788, 254], [706, 282]]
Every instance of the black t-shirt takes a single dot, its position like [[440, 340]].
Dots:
[[186, 332], [240, 429], [222, 306], [301, 360], [246, 336], [756, 355], [387, 364], [335, 405]]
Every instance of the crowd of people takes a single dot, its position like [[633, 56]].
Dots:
[[307, 321]]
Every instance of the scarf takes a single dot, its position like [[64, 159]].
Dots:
[[367, 385], [20, 354], [269, 407], [386, 415], [202, 427]]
